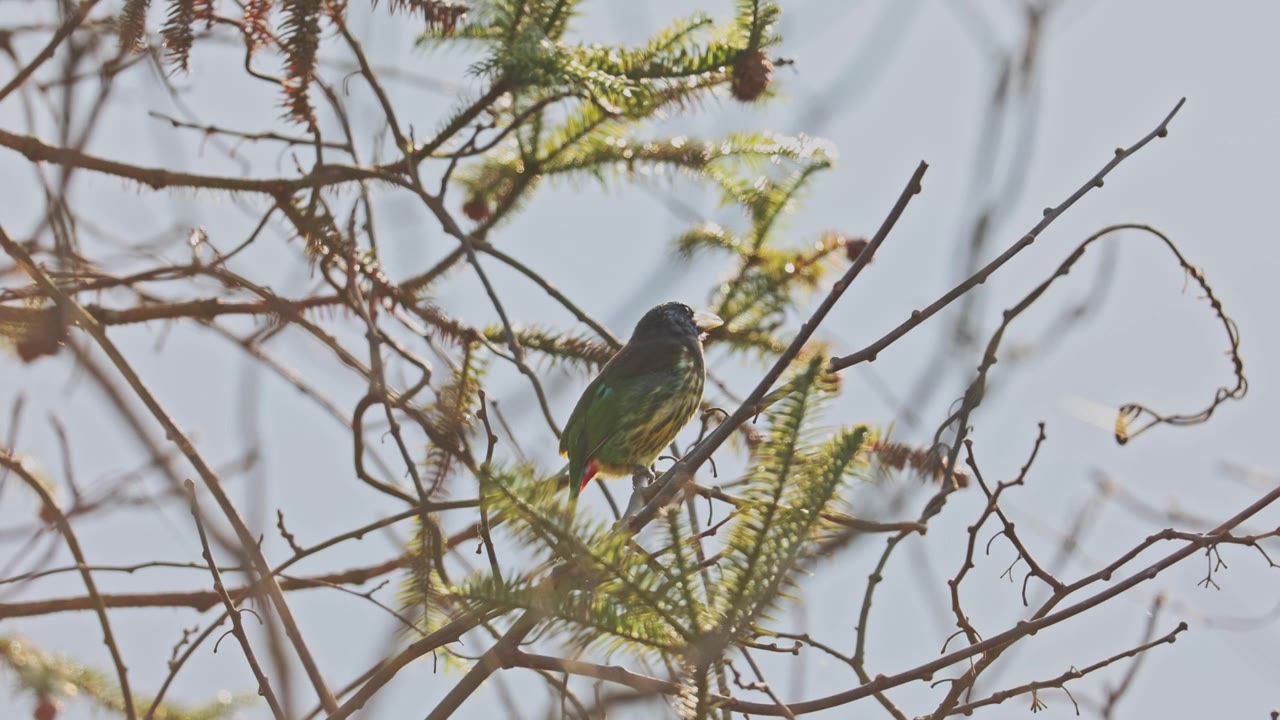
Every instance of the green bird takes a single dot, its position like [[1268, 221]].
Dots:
[[641, 399]]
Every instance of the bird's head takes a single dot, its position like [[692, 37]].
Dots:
[[675, 319]]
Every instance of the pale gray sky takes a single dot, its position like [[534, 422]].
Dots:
[[890, 83]]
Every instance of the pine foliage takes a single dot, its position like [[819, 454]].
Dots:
[[257, 24], [655, 599], [133, 24], [587, 99], [765, 179], [795, 478], [300, 38], [178, 32], [558, 348], [452, 417], [616, 599], [56, 678]]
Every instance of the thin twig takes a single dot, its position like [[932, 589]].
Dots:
[[237, 628], [870, 352], [175, 435], [15, 466], [63, 32]]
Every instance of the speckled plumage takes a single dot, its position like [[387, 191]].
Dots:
[[641, 399]]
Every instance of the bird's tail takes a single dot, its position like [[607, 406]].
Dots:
[[580, 476]]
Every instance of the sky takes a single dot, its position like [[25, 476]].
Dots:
[[890, 83]]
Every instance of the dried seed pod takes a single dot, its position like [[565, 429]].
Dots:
[[752, 74]]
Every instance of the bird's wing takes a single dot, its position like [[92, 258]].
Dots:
[[594, 419], [629, 375]]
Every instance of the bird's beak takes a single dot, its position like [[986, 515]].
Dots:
[[706, 321]]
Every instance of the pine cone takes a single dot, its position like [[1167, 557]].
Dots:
[[476, 208], [46, 709], [751, 75], [34, 332], [854, 247]]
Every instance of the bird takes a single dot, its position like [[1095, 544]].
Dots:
[[641, 398]]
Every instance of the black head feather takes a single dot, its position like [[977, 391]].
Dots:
[[673, 321]]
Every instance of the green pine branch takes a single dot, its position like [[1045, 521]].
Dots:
[[618, 599], [557, 348], [53, 677], [793, 481], [452, 416]]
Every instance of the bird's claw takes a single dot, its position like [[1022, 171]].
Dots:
[[642, 477]]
